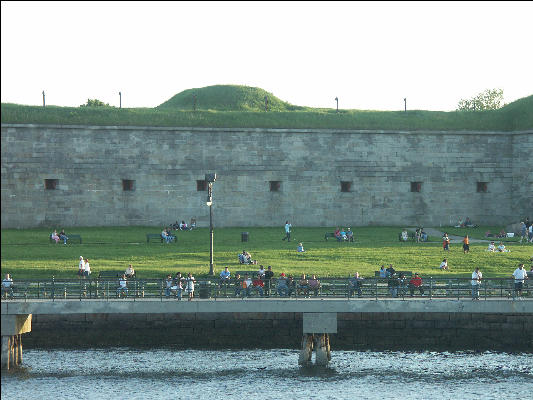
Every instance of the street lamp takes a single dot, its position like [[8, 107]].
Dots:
[[337, 100], [405, 104], [210, 179], [120, 100]]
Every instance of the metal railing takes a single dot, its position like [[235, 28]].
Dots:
[[206, 288]]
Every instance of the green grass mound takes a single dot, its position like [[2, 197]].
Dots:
[[227, 98]]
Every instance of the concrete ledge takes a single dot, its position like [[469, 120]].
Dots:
[[150, 306]]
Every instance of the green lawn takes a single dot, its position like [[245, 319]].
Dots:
[[28, 254]]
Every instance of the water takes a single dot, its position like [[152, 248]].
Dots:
[[267, 374]]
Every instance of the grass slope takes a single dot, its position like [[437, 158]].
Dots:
[[28, 254], [243, 107]]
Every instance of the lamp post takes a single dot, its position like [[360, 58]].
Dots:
[[120, 100], [210, 179], [337, 100], [405, 104], [43, 98]]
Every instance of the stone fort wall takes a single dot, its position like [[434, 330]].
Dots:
[[116, 176]]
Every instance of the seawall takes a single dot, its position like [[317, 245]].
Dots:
[[356, 330], [58, 175]]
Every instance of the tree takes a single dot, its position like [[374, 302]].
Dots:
[[95, 103], [490, 99]]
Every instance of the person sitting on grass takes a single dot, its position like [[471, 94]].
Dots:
[[444, 264], [492, 247], [416, 283], [7, 287], [502, 249], [314, 284], [183, 226], [405, 236], [300, 248], [192, 224]]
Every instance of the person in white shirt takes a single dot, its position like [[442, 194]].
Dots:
[[189, 282], [288, 227], [405, 236], [444, 264], [261, 271], [81, 267], [476, 282], [519, 276], [130, 272], [87, 270], [491, 247]]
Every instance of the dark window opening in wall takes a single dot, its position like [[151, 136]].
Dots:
[[128, 185], [346, 186], [416, 186], [275, 186], [201, 186], [482, 187], [51, 184]]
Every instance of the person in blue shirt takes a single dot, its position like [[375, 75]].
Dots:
[[225, 276]]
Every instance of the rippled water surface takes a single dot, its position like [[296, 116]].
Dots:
[[267, 374]]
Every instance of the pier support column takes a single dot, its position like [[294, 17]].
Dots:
[[13, 326], [316, 330]]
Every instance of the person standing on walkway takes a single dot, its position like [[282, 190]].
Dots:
[[476, 282], [288, 227], [466, 244], [519, 276]]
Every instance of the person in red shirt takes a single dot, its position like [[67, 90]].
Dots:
[[416, 283], [258, 285]]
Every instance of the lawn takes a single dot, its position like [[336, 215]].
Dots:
[[27, 253]]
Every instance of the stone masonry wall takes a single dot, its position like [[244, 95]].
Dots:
[[90, 164], [381, 331]]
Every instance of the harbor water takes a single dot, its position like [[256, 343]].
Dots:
[[163, 373]]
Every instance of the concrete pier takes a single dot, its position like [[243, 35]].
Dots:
[[13, 326]]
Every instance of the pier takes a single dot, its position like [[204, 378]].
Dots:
[[318, 318]]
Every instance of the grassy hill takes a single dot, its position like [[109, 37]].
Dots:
[[231, 106]]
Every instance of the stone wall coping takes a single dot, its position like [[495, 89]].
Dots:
[[263, 130], [154, 306]]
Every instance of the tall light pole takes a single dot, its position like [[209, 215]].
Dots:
[[120, 100], [43, 98], [210, 179], [337, 100], [405, 104]]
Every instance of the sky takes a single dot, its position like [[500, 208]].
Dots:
[[370, 55]]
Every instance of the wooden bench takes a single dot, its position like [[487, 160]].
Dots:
[[150, 236], [70, 238]]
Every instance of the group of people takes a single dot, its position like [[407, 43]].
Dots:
[[519, 275], [175, 286], [341, 235], [467, 223], [182, 226], [84, 268], [500, 249], [526, 231], [246, 258], [61, 236], [167, 236]]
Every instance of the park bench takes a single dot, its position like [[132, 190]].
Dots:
[[150, 236], [71, 237]]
